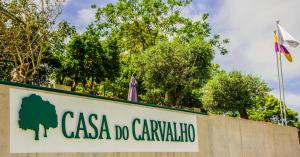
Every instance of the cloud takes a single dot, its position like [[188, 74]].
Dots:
[[84, 18], [195, 10], [292, 100], [249, 25]]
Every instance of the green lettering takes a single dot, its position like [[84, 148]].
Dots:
[[104, 128], [176, 138], [145, 131], [191, 128], [118, 132], [136, 120], [169, 132], [81, 126], [184, 135], [154, 129], [63, 124], [125, 133], [162, 130], [91, 136]]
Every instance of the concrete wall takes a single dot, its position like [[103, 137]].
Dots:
[[218, 136]]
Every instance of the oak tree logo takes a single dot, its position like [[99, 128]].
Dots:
[[34, 112]]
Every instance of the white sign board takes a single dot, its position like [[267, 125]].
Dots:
[[43, 122]]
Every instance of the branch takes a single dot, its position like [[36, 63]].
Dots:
[[7, 13]]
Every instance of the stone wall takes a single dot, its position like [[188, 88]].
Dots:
[[218, 136]]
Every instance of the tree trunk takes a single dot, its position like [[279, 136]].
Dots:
[[74, 85], [92, 86], [36, 131], [243, 114], [22, 73], [45, 132]]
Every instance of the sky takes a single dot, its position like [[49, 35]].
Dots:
[[248, 24]]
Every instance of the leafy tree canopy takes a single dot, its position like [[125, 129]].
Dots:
[[159, 45], [171, 70], [140, 24], [89, 60], [233, 92], [269, 111]]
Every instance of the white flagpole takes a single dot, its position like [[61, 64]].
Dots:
[[279, 82], [284, 104], [281, 75]]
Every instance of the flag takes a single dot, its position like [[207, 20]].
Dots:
[[283, 49], [276, 42], [286, 53], [285, 38]]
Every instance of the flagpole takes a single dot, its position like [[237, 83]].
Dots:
[[281, 80], [279, 84], [283, 96]]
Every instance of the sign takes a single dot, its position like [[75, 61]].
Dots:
[[43, 122]]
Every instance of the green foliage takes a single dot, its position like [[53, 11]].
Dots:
[[159, 44], [57, 51], [170, 70], [269, 111], [5, 69], [34, 112], [234, 93], [42, 75], [59, 37], [141, 24], [88, 61], [119, 87]]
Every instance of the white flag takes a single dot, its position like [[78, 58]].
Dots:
[[285, 38]]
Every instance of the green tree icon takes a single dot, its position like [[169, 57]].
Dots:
[[34, 111]]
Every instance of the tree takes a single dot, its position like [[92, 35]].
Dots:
[[171, 70], [56, 54], [34, 112], [269, 111], [89, 60], [27, 24], [143, 27], [233, 92], [141, 24], [119, 87]]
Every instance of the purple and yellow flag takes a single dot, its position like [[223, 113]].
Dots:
[[286, 53], [279, 47], [276, 42]]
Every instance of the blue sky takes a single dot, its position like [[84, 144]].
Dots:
[[248, 24]]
